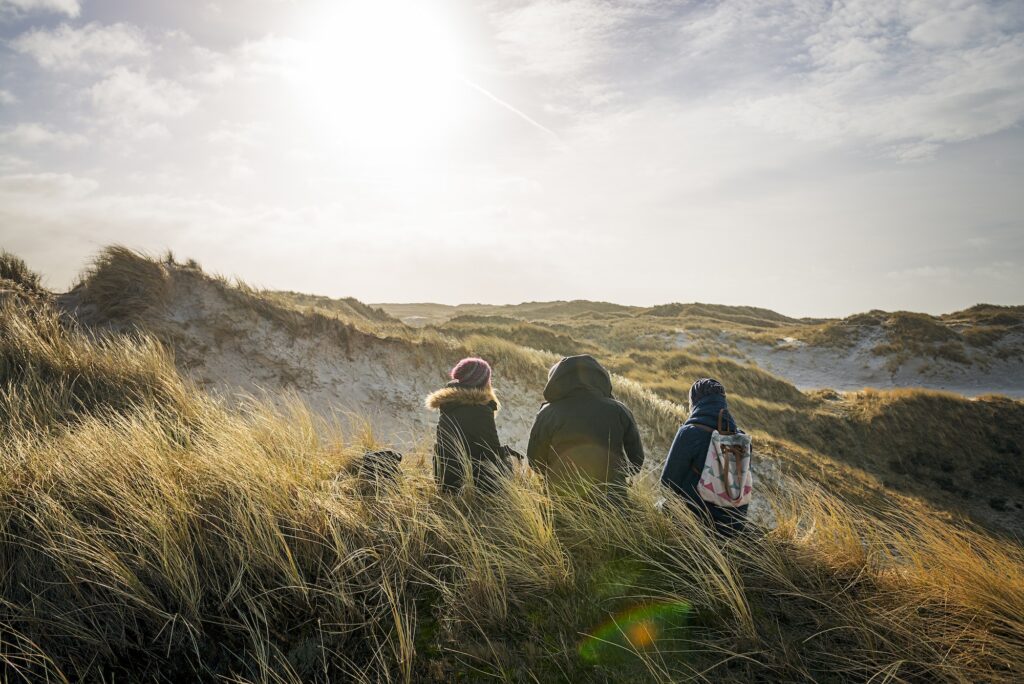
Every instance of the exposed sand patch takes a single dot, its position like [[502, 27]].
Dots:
[[992, 370], [858, 367], [236, 353]]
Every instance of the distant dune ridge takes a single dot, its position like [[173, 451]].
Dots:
[[976, 351], [169, 433]]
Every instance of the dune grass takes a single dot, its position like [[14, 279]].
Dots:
[[917, 445], [149, 533], [14, 270], [520, 332]]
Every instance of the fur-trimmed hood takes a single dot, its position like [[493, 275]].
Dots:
[[462, 396]]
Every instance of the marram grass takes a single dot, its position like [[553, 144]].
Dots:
[[149, 533]]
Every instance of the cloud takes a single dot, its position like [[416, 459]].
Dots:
[[271, 56], [35, 134], [48, 186], [560, 37], [89, 48], [7, 97], [999, 275], [926, 272], [250, 61], [71, 8], [774, 123], [135, 98], [955, 27], [10, 163], [239, 134], [899, 79], [904, 78]]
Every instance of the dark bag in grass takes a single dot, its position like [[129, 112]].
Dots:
[[380, 465]]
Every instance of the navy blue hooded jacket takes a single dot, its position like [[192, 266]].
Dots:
[[690, 447], [685, 460]]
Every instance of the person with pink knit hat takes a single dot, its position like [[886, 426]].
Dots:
[[466, 431]]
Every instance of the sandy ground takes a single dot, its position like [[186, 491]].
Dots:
[[236, 353], [859, 367]]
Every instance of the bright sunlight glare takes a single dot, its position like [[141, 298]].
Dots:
[[381, 75]]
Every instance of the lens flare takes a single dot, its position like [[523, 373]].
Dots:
[[643, 634], [638, 629]]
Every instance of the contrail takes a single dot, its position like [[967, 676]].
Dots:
[[506, 105]]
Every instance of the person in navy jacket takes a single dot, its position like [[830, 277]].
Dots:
[[690, 447]]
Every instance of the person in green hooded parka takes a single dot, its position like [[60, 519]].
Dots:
[[582, 434]]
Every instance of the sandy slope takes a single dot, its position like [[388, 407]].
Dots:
[[235, 353], [994, 370], [858, 366]]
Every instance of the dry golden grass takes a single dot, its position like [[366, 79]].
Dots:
[[621, 329], [150, 534], [122, 285], [917, 444], [14, 272], [520, 332]]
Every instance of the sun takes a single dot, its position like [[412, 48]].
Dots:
[[381, 74]]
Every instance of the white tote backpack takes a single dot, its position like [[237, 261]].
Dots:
[[726, 479]]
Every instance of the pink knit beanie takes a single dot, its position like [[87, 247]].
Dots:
[[472, 372]]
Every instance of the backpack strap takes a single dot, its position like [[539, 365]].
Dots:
[[721, 428], [697, 471]]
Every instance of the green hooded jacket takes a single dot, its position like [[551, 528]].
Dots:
[[581, 433]]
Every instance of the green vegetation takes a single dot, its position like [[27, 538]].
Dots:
[[987, 314], [953, 452], [698, 314], [832, 439], [910, 334], [123, 286]]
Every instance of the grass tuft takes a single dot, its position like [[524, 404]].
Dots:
[[14, 270]]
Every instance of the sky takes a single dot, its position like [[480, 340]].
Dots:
[[816, 158]]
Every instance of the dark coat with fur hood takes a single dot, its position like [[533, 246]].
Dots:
[[466, 428]]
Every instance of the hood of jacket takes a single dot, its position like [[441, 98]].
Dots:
[[453, 395], [703, 388], [577, 376], [705, 412]]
